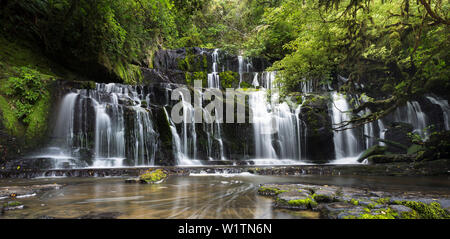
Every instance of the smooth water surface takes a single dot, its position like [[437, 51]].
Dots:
[[195, 196]]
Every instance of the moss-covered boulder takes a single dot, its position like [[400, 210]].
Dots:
[[393, 158], [153, 176], [374, 150], [396, 137], [269, 191]]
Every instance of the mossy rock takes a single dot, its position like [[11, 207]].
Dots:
[[426, 211], [153, 176], [393, 158], [374, 150], [307, 203], [268, 191]]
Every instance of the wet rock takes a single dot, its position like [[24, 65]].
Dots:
[[401, 210], [319, 135], [153, 176], [325, 195], [295, 200], [374, 150], [394, 158], [397, 138], [26, 191], [336, 209]]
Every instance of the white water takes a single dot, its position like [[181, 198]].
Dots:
[[445, 109], [109, 144], [240, 69], [213, 77], [345, 142], [275, 126], [412, 113]]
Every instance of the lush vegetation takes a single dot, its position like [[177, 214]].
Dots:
[[399, 49]]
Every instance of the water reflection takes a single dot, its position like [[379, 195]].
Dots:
[[226, 196]]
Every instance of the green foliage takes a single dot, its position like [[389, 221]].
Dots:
[[9, 119], [112, 34], [198, 75], [229, 79], [29, 98]]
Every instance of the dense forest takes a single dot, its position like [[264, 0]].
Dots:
[[399, 48], [103, 89]]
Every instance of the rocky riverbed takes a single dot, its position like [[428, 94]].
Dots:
[[227, 194], [333, 202]]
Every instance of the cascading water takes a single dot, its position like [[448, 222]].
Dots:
[[118, 136], [255, 82], [112, 125], [240, 69], [213, 77], [345, 141], [444, 107], [412, 113], [275, 126], [262, 125]]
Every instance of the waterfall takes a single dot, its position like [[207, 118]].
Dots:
[[213, 77], [277, 129], [118, 136], [382, 131], [178, 148], [412, 114], [240, 69], [262, 125], [267, 80], [444, 107], [345, 142], [255, 82]]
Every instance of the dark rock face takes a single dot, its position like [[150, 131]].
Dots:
[[397, 132], [172, 60], [319, 135], [434, 113], [10, 146]]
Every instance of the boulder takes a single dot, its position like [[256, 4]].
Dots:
[[374, 150], [396, 137]]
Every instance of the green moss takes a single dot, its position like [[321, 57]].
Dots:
[[244, 84], [426, 211], [12, 204], [386, 200], [322, 198], [192, 62], [152, 176], [270, 191], [9, 119], [308, 202], [385, 213], [354, 202], [410, 215], [27, 104], [229, 79], [130, 74], [37, 119], [198, 75]]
